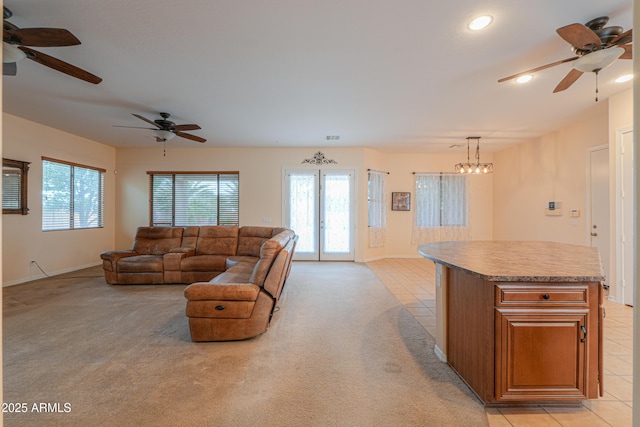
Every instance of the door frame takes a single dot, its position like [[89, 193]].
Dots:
[[619, 208], [353, 214], [588, 219]]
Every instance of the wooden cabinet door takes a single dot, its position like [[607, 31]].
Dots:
[[541, 354]]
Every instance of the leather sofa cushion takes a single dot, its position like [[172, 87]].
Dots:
[[157, 240], [250, 240], [222, 291], [203, 263], [190, 236], [217, 240], [141, 264]]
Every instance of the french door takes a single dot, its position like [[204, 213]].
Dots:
[[319, 205]]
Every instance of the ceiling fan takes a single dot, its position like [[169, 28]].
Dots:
[[164, 129], [595, 46], [15, 47]]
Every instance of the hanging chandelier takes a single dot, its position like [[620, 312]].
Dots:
[[477, 167]]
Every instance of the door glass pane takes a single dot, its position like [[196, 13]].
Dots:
[[336, 213], [302, 194]]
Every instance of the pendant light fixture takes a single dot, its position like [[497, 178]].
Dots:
[[477, 167]]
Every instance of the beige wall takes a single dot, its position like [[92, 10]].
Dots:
[[551, 168], [22, 238], [401, 178]]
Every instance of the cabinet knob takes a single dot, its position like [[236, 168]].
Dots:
[[545, 296], [220, 307]]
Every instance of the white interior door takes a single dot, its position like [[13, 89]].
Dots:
[[319, 205], [599, 234], [625, 215]]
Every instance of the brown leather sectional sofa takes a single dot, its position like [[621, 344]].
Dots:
[[236, 274]]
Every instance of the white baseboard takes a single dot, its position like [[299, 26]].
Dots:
[[439, 354]]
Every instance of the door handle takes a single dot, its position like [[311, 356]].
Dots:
[[594, 234], [584, 336]]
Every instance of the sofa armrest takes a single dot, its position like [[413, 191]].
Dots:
[[114, 256], [186, 250], [172, 260], [202, 291]]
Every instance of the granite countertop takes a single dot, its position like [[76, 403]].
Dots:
[[518, 261]]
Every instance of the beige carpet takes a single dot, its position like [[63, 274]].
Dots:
[[341, 351]]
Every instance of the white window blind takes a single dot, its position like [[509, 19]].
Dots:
[[202, 198], [72, 196], [377, 208], [441, 211]]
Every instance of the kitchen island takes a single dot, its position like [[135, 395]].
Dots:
[[520, 322]]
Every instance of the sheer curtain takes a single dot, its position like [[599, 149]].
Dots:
[[441, 211], [377, 209]]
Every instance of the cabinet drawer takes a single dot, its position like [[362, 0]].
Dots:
[[560, 295]]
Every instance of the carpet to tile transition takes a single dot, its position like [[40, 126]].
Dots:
[[340, 351]]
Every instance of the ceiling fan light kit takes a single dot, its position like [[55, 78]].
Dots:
[[16, 44], [163, 135], [598, 60], [477, 168], [11, 53], [165, 130], [596, 47]]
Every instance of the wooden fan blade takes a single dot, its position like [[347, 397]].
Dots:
[[134, 127], [543, 67], [144, 119], [9, 69], [621, 38], [568, 80], [40, 37], [57, 64], [180, 128], [628, 52], [191, 137], [578, 35]]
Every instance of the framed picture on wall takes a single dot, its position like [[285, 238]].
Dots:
[[401, 201]]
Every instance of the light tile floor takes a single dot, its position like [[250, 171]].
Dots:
[[412, 281]]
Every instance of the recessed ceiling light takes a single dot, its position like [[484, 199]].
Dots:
[[524, 79], [480, 22], [624, 78]]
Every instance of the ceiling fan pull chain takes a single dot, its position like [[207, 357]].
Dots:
[[596, 84], [164, 148]]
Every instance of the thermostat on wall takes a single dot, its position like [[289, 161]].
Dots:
[[553, 208]]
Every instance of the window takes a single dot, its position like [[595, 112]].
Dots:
[[377, 208], [441, 208], [196, 198], [72, 196], [14, 187]]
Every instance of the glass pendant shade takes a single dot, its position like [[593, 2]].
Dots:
[[11, 53], [164, 135], [598, 59]]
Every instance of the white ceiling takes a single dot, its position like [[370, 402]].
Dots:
[[402, 75]]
